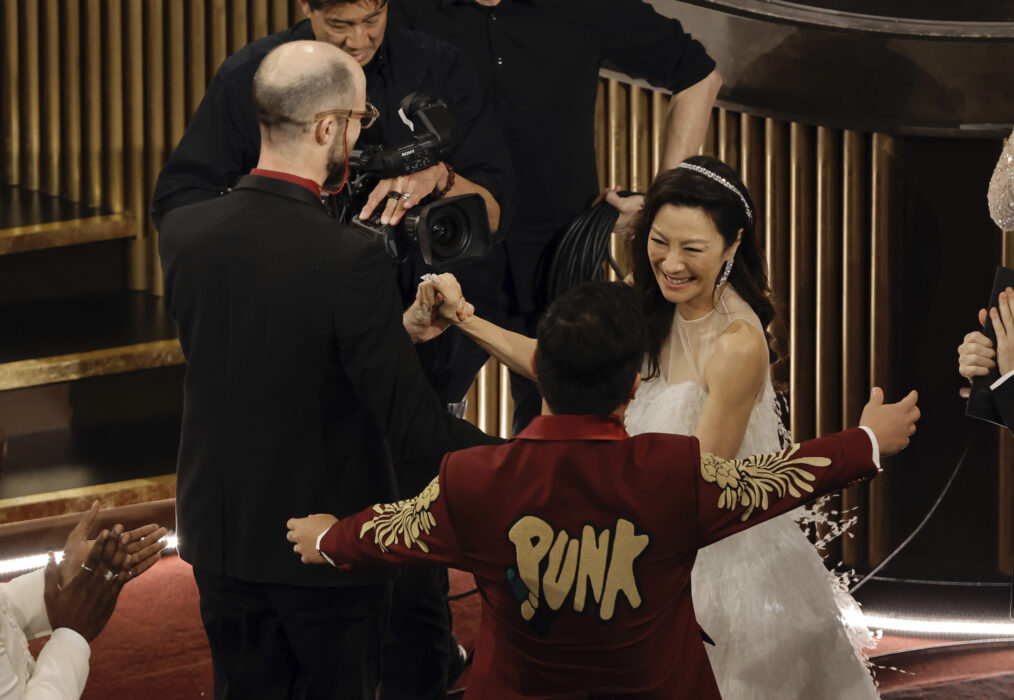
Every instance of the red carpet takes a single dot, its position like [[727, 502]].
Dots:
[[154, 648]]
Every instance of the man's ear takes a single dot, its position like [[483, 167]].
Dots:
[[324, 130], [532, 363]]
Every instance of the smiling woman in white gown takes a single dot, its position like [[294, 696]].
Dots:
[[776, 614]]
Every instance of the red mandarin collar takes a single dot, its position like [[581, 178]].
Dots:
[[289, 177], [574, 427]]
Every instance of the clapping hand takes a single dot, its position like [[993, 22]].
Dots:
[[977, 355], [143, 547], [87, 601], [139, 548]]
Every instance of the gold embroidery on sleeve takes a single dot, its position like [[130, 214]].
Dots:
[[406, 520], [748, 482]]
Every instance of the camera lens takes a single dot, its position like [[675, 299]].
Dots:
[[448, 235]]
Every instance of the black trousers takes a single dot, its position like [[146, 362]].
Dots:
[[417, 650], [274, 641]]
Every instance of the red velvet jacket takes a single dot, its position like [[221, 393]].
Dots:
[[581, 539]]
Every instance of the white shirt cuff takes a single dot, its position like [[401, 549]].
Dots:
[[1001, 380], [876, 447], [326, 557]]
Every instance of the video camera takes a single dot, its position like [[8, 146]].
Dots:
[[450, 232]]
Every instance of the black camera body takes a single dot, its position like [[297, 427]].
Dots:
[[432, 124], [450, 232]]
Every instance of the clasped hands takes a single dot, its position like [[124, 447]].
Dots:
[[438, 303], [976, 355], [81, 591]]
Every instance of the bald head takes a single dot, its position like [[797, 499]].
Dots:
[[300, 79]]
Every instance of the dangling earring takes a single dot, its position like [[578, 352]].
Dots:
[[726, 271]]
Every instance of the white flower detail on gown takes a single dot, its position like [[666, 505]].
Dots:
[[764, 595]]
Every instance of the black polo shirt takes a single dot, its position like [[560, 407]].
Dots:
[[539, 61], [222, 141]]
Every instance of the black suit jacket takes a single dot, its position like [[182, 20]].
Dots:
[[301, 381], [1003, 401]]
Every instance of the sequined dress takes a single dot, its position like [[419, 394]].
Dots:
[[774, 611], [1000, 194]]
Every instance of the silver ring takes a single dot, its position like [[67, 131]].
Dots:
[[87, 568], [406, 195], [109, 575]]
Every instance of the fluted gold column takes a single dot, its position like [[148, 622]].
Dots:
[[238, 23], [728, 138], [880, 324], [829, 283], [218, 22], [258, 18], [115, 183], [136, 172], [93, 102], [72, 118], [506, 407], [10, 95], [659, 114], [801, 283], [155, 118], [51, 127], [488, 398], [776, 243], [198, 70], [602, 133], [855, 308], [31, 107], [176, 71], [618, 174], [280, 14]]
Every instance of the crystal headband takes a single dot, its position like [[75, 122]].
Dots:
[[723, 182]]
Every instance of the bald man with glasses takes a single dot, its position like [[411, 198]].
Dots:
[[301, 386]]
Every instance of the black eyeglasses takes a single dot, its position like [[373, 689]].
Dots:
[[365, 117]]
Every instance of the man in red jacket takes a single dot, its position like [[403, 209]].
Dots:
[[582, 538]]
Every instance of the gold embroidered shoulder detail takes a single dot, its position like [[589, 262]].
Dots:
[[749, 482], [406, 520]]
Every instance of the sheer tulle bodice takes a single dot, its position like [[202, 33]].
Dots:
[[764, 595]]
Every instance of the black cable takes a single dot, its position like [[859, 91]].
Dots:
[[919, 527], [583, 247], [459, 596]]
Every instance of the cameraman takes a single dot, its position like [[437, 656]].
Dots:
[[222, 141]]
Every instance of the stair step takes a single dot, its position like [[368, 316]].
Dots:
[[88, 335], [35, 221], [55, 465]]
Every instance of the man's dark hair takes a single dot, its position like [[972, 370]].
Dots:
[[591, 344], [289, 105], [326, 4]]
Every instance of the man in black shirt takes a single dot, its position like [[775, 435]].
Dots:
[[539, 62]]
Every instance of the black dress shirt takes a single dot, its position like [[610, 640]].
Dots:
[[301, 382], [539, 61], [222, 141]]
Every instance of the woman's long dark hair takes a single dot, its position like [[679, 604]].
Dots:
[[686, 188]]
